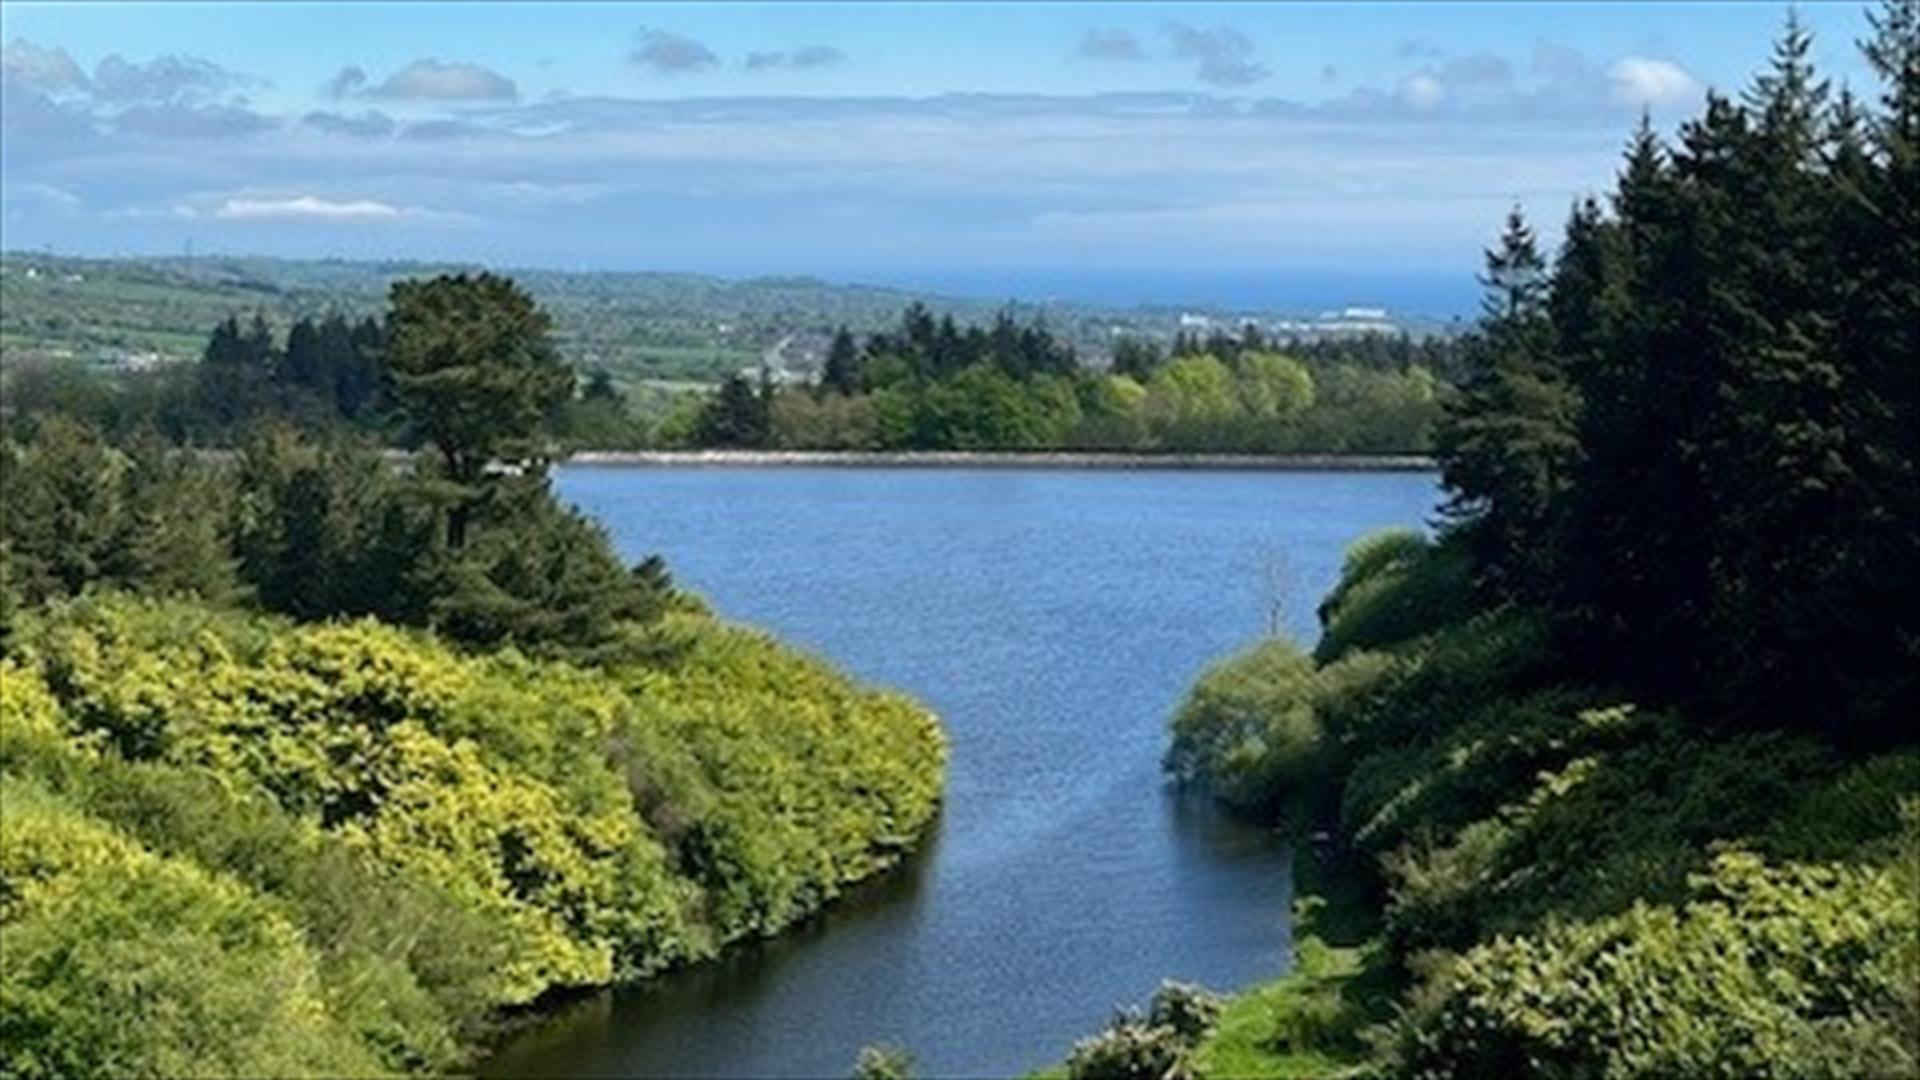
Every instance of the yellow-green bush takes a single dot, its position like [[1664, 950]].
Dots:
[[123, 963], [1247, 730], [527, 824], [1768, 970]]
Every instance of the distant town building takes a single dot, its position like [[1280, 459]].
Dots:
[[795, 360]]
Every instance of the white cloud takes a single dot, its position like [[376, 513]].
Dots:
[[1645, 80], [308, 208], [28, 66], [1422, 92], [51, 195], [436, 80]]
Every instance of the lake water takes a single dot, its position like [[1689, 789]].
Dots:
[[1053, 619]]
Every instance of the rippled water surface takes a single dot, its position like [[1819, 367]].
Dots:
[[1053, 619]]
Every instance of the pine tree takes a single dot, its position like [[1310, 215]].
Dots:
[[735, 417], [359, 354], [1507, 443], [841, 373], [172, 534], [64, 511], [473, 366]]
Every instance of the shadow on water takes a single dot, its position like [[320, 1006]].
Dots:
[[573, 1038], [696, 1021]]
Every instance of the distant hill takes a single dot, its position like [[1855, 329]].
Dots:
[[639, 325]]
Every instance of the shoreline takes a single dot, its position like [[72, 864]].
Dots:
[[991, 459]]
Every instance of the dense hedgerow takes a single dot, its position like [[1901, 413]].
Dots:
[[439, 834]]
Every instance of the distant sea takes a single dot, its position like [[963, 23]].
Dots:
[[1440, 294]]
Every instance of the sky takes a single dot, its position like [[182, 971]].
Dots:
[[1119, 152]]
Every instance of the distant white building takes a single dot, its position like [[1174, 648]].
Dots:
[[141, 361]]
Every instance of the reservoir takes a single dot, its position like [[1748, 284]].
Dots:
[[1053, 619]]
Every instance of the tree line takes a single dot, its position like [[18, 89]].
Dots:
[[929, 384], [1692, 435], [465, 537], [934, 385]]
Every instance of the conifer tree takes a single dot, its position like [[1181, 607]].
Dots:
[[473, 365], [841, 373], [1507, 442]]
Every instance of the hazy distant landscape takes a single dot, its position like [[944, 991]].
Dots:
[[638, 326]]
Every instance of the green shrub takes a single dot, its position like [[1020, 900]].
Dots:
[[883, 1063], [1769, 970], [1190, 1011], [1155, 1045], [1473, 768], [454, 833], [1247, 731], [1855, 815], [123, 963], [1395, 585], [1569, 850], [1131, 1049], [1432, 683]]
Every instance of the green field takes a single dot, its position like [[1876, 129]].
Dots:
[[637, 326]]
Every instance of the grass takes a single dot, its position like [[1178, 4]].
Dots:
[[1305, 1024], [1309, 1022]]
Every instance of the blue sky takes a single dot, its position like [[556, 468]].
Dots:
[[934, 143]]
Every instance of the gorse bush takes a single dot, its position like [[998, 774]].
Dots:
[[446, 834], [233, 845], [120, 962], [1190, 1011], [1155, 1045], [1767, 970], [1130, 1049], [883, 1063]]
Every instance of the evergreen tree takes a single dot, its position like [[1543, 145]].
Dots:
[[841, 373], [305, 366], [173, 532], [544, 577], [64, 512], [473, 366], [358, 353], [1135, 357], [1507, 443], [600, 389], [735, 417]]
